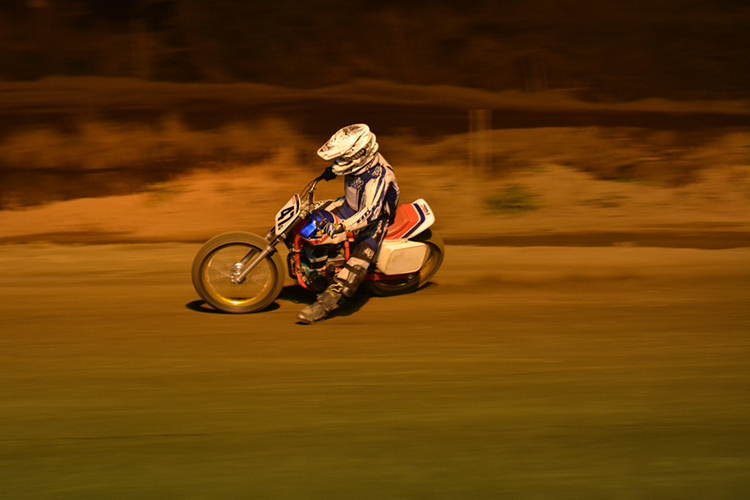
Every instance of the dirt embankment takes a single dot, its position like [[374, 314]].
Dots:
[[89, 160]]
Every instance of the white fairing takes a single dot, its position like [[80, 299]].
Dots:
[[427, 217], [401, 256], [287, 214]]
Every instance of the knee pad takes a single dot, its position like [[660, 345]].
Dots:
[[352, 275]]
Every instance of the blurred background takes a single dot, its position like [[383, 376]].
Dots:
[[620, 50], [102, 98]]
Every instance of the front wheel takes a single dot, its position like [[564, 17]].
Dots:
[[432, 262], [220, 258]]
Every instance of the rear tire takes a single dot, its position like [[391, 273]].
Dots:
[[213, 268], [433, 261]]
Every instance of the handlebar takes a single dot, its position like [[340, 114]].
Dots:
[[309, 191]]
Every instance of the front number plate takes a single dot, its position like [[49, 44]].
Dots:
[[287, 214]]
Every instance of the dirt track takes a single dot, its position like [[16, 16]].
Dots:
[[521, 373]]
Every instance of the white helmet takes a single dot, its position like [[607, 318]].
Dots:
[[352, 148]]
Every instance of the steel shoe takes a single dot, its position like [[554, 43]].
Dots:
[[320, 309]]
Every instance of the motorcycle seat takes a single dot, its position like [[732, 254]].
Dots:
[[406, 218]]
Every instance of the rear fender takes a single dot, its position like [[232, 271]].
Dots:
[[411, 219]]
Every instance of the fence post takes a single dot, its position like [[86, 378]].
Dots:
[[142, 47], [480, 150]]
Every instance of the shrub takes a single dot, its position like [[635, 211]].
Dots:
[[514, 199]]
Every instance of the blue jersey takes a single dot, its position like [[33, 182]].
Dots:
[[369, 195]]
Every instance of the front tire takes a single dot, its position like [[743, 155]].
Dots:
[[213, 267], [433, 261]]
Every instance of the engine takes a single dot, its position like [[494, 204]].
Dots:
[[315, 258]]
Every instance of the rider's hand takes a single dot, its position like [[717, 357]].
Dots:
[[332, 229], [328, 174]]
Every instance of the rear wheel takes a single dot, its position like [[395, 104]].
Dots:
[[219, 259], [432, 262]]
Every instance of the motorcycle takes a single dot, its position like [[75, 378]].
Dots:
[[241, 272]]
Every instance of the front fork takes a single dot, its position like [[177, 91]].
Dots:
[[250, 261], [244, 267]]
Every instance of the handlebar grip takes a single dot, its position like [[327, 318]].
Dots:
[[327, 175]]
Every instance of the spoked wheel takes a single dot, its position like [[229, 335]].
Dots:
[[221, 258], [433, 261]]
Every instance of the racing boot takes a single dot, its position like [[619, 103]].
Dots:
[[319, 309]]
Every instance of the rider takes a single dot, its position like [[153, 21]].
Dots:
[[370, 201]]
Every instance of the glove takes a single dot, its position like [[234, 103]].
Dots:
[[328, 174], [333, 229]]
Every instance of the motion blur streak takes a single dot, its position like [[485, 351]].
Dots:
[[563, 373]]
